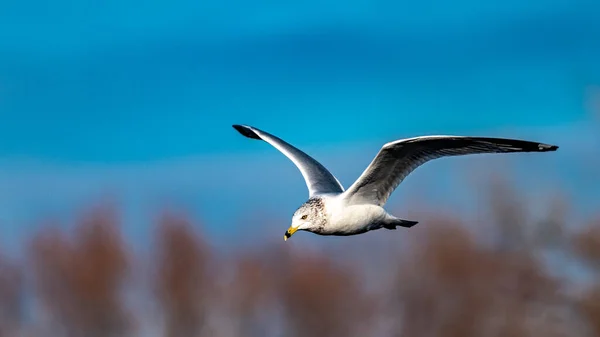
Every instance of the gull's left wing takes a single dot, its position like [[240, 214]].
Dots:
[[398, 159]]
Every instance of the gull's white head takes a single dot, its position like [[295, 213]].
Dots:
[[308, 217]]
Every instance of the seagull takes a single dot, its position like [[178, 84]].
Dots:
[[331, 210]]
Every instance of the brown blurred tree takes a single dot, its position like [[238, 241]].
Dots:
[[452, 286], [183, 281], [79, 280], [11, 291], [251, 293], [589, 305], [586, 245], [447, 281], [323, 298]]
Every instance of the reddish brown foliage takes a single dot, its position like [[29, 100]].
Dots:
[[452, 286], [251, 282], [587, 244], [447, 282], [79, 281], [251, 294], [10, 298], [182, 282], [590, 307], [321, 298]]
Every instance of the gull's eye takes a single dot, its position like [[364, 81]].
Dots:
[[303, 217]]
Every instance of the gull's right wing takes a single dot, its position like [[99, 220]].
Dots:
[[318, 179]]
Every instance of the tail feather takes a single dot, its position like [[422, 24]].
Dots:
[[395, 222]]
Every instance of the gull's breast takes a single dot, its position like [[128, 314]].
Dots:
[[354, 219]]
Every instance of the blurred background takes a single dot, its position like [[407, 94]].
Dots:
[[130, 207]]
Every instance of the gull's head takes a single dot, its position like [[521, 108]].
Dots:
[[308, 217]]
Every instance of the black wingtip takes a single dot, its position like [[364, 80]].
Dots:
[[547, 147], [246, 131]]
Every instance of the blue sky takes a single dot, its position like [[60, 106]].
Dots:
[[136, 99]]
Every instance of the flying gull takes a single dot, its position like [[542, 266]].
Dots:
[[331, 210]]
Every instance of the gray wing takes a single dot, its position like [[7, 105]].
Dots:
[[398, 159], [318, 179]]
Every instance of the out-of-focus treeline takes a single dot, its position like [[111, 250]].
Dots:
[[510, 274]]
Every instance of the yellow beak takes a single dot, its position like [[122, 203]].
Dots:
[[289, 233]]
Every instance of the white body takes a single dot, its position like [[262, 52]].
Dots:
[[344, 219]]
